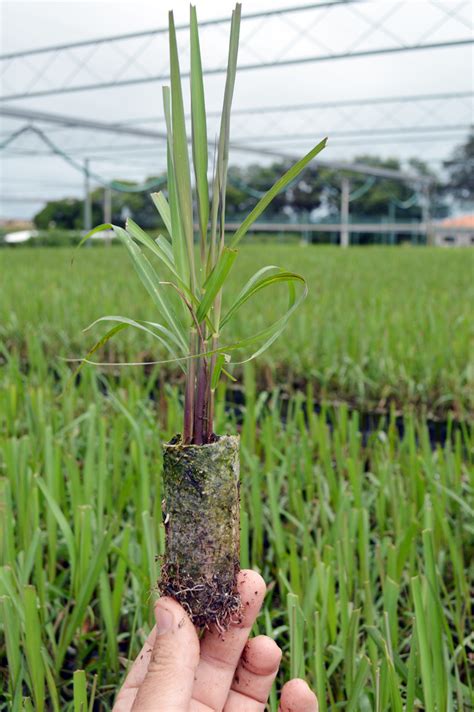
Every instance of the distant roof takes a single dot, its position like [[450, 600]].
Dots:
[[460, 221]]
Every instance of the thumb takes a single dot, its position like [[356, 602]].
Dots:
[[168, 684]]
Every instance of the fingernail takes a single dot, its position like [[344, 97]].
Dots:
[[164, 620]]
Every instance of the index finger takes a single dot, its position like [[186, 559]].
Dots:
[[220, 652], [135, 676]]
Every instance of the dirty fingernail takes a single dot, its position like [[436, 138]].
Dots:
[[164, 620]]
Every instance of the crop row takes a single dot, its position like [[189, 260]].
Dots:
[[380, 326], [366, 547]]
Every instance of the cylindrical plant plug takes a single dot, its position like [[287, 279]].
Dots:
[[202, 508]]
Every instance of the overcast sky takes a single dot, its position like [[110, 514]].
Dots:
[[428, 130]]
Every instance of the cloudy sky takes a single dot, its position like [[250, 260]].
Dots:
[[278, 95]]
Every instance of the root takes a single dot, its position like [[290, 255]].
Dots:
[[211, 603]]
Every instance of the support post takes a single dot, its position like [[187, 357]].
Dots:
[[107, 205], [108, 209], [345, 190], [426, 213], [87, 198], [391, 219]]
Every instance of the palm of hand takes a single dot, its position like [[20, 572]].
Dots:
[[175, 672]]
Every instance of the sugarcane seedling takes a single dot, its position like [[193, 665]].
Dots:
[[200, 467]]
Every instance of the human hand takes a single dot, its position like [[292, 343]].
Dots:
[[175, 672]]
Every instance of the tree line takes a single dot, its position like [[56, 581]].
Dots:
[[316, 192]]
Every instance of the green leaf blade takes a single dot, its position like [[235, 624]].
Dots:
[[163, 208], [255, 285], [215, 281], [220, 178], [33, 643], [152, 284], [199, 130], [264, 202], [180, 151], [177, 235]]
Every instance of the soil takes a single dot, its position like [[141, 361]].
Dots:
[[202, 510]]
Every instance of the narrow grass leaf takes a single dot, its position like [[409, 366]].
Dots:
[[215, 282], [51, 681], [98, 345], [11, 633], [180, 152], [159, 247], [62, 523], [106, 608], [177, 235], [219, 185], [254, 286], [264, 202], [158, 331], [80, 691], [220, 361], [33, 647], [199, 132], [120, 574], [89, 584], [94, 231], [424, 646], [358, 685], [163, 208], [152, 284]]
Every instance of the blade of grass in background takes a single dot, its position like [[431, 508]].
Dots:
[[32, 634], [302, 520]]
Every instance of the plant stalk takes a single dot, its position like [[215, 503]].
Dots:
[[189, 391], [210, 417], [201, 409]]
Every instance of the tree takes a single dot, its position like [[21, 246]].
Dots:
[[303, 195], [65, 214], [314, 188], [460, 168], [69, 213], [384, 197]]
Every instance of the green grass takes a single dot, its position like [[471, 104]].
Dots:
[[367, 548], [380, 325]]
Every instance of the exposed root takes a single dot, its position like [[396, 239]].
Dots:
[[211, 603]]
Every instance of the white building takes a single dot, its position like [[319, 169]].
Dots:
[[15, 238], [455, 232]]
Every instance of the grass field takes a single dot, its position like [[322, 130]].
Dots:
[[366, 542], [380, 325]]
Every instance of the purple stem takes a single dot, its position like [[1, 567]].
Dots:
[[202, 400], [189, 393]]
